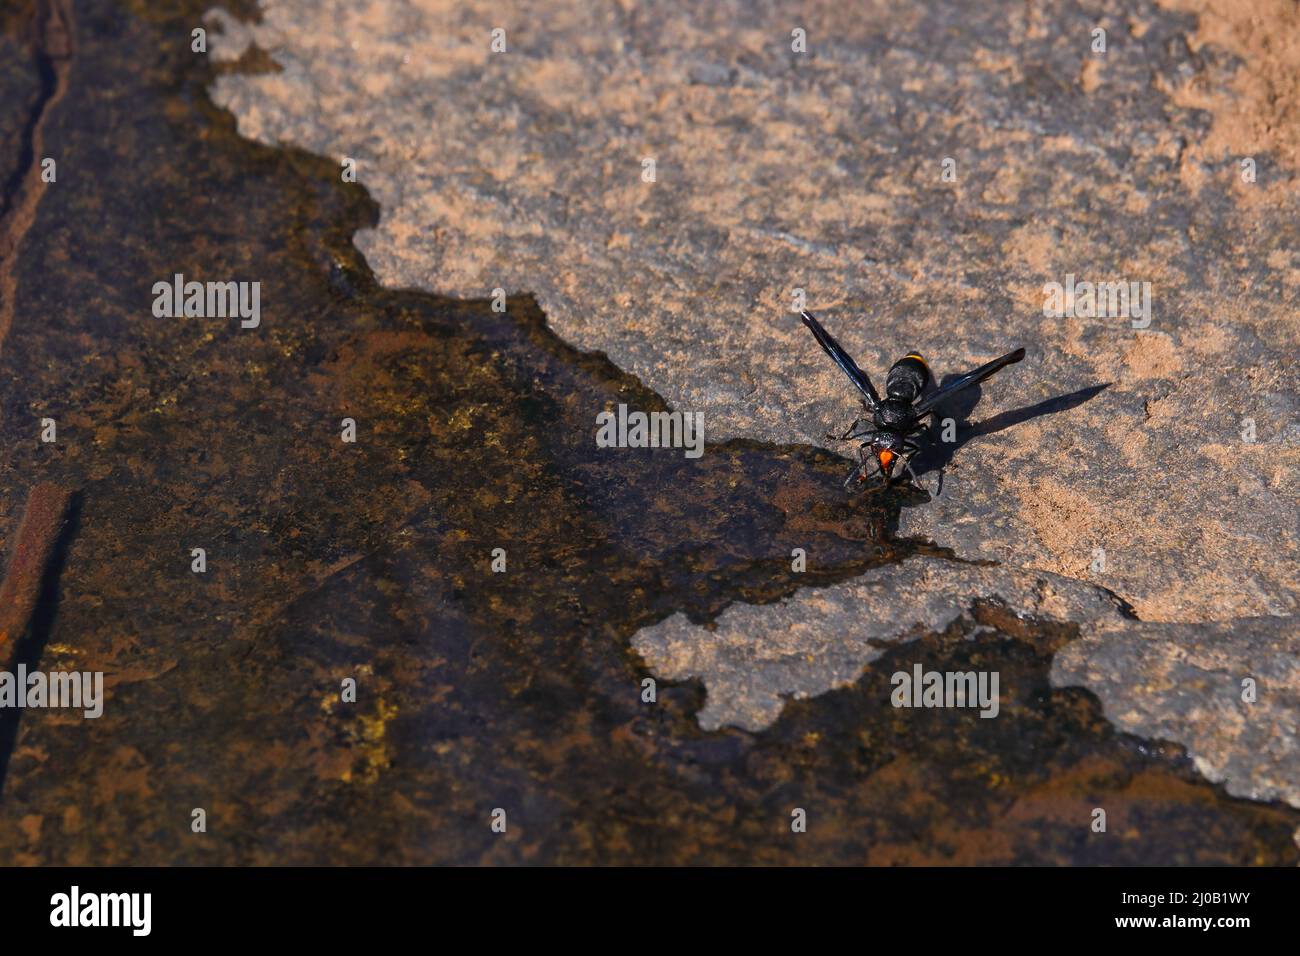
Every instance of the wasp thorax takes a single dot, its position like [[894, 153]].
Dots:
[[888, 440], [893, 413]]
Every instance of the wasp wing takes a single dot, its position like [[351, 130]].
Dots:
[[965, 381], [842, 359]]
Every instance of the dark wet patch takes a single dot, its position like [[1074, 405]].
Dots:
[[944, 786], [372, 561]]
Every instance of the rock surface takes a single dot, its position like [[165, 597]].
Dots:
[[1185, 683], [823, 171], [821, 638], [1159, 461], [329, 560], [19, 89]]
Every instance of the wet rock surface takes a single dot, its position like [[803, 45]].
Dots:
[[1155, 454], [1230, 693], [19, 88], [776, 171], [752, 657], [325, 560], [373, 561]]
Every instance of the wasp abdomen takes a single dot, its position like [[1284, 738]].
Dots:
[[908, 378]]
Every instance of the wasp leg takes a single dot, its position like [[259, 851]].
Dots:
[[848, 482], [910, 450], [907, 464], [863, 462], [850, 434]]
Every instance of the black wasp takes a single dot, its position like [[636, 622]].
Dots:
[[899, 419]]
